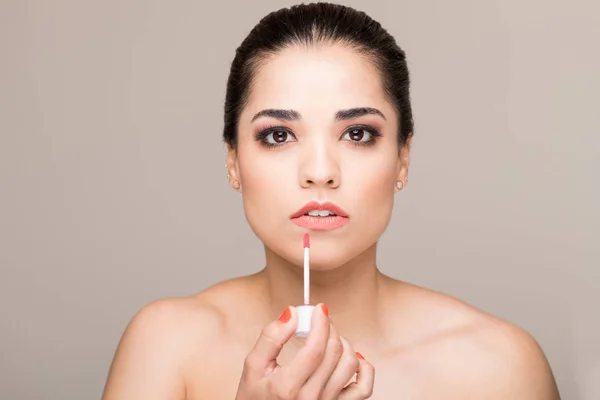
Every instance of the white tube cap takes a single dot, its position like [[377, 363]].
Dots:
[[304, 316]]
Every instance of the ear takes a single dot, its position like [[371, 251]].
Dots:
[[232, 168], [404, 162]]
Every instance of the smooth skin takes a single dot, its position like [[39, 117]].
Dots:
[[227, 341]]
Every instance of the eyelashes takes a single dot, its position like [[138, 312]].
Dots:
[[277, 136], [274, 136]]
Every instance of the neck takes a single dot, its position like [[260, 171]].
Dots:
[[352, 292]]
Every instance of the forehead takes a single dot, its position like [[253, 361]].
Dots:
[[317, 82]]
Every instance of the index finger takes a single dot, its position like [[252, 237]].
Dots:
[[311, 355], [263, 356]]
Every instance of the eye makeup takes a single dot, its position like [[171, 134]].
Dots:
[[358, 131], [274, 136]]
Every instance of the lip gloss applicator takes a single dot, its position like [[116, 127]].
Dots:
[[305, 311]]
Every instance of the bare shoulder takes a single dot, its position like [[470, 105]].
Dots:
[[482, 355], [507, 362], [161, 340]]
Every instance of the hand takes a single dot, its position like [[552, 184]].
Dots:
[[319, 371]]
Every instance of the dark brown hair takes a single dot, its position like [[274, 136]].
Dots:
[[311, 25]]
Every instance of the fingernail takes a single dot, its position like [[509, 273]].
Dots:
[[325, 309], [285, 315], [360, 355]]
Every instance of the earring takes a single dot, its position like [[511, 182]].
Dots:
[[236, 184], [399, 185]]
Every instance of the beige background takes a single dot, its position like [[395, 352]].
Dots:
[[113, 189]]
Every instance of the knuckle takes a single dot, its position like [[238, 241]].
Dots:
[[336, 347], [365, 392], [268, 333], [369, 369], [351, 362], [283, 391], [315, 354], [250, 362]]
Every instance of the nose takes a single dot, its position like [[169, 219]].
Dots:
[[319, 167]]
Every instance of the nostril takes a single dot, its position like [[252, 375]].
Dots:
[[328, 182]]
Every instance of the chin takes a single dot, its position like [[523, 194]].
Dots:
[[319, 260], [325, 255], [328, 262]]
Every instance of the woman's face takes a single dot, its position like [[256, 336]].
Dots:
[[317, 144]]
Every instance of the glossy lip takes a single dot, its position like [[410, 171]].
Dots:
[[320, 223], [314, 205]]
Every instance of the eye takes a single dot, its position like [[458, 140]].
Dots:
[[361, 135], [277, 137], [274, 136], [358, 134]]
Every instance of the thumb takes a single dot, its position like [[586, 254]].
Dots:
[[263, 357]]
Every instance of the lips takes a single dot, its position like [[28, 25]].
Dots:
[[316, 206], [336, 220]]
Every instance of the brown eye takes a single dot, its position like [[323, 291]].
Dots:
[[356, 134], [359, 135], [276, 137], [280, 136]]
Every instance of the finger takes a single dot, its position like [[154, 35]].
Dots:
[[347, 366], [263, 357], [308, 358], [363, 387], [315, 384]]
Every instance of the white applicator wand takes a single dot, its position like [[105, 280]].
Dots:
[[305, 311]]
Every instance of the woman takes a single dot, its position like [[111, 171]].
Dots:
[[318, 110]]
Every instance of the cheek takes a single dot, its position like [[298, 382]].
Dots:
[[263, 176], [267, 184], [371, 176], [370, 188]]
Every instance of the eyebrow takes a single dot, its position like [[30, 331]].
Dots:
[[341, 115]]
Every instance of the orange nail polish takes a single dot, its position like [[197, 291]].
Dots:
[[325, 309], [360, 355], [285, 315]]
